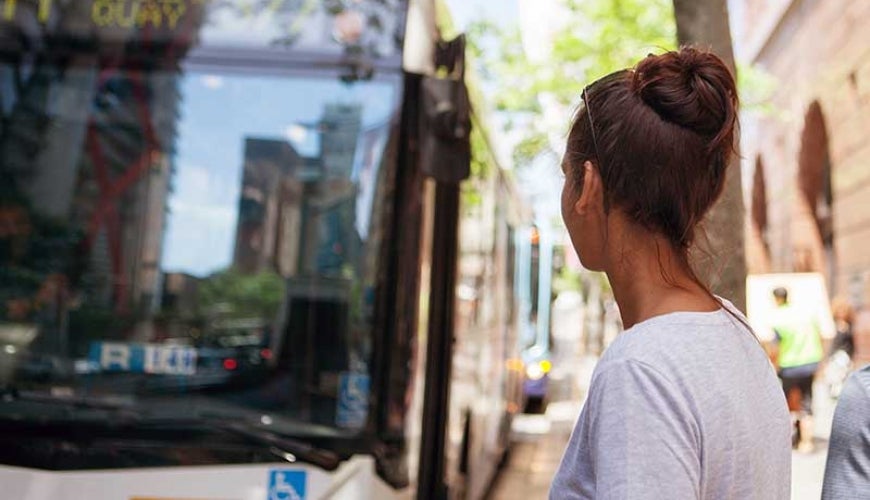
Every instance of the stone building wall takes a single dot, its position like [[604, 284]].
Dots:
[[812, 148], [819, 54]]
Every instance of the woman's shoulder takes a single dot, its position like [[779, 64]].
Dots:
[[679, 339], [645, 343], [652, 331]]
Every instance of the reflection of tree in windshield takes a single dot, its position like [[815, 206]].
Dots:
[[242, 295], [370, 27], [76, 266]]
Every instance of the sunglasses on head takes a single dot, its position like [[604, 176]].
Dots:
[[585, 98]]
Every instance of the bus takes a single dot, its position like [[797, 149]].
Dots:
[[223, 270], [494, 305], [536, 354]]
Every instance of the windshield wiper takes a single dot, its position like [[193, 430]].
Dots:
[[282, 446], [10, 395], [286, 448]]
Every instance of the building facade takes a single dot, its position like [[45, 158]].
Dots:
[[806, 154]]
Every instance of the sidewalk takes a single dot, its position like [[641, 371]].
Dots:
[[537, 450], [808, 471], [539, 440]]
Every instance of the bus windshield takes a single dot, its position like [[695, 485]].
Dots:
[[188, 237]]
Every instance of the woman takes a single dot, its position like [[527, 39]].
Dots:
[[684, 403]]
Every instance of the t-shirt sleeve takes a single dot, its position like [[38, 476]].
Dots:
[[847, 473], [643, 438]]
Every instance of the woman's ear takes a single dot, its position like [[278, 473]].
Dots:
[[592, 195]]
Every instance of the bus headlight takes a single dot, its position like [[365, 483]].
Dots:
[[537, 370]]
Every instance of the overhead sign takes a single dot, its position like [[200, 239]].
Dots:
[[374, 26], [113, 13]]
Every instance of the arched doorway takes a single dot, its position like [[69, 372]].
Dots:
[[759, 208], [814, 181]]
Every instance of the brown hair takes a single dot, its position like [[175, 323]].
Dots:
[[662, 139]]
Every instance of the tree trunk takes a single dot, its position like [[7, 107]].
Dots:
[[704, 23]]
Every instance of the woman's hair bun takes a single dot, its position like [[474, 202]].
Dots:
[[691, 88]]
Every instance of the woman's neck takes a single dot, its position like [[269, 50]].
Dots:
[[653, 279]]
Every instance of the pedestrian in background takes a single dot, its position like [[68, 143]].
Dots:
[[684, 404], [844, 319], [839, 358], [799, 351], [847, 473]]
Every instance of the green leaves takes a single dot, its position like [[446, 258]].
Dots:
[[243, 295], [594, 38], [756, 87], [529, 147]]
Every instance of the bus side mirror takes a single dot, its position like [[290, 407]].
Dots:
[[446, 117]]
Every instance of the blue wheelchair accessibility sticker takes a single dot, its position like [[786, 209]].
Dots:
[[353, 400], [287, 484]]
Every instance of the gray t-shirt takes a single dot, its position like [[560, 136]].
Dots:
[[847, 475], [681, 406]]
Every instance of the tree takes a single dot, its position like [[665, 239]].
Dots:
[[243, 295], [594, 38], [705, 23]]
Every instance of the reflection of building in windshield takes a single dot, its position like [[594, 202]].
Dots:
[[296, 214], [130, 170], [180, 293], [341, 126], [93, 184], [270, 199], [86, 159]]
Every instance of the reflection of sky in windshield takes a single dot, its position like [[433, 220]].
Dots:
[[217, 114]]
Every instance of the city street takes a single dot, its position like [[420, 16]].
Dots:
[[540, 439], [334, 250]]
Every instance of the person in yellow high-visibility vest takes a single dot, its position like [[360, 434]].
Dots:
[[799, 351]]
